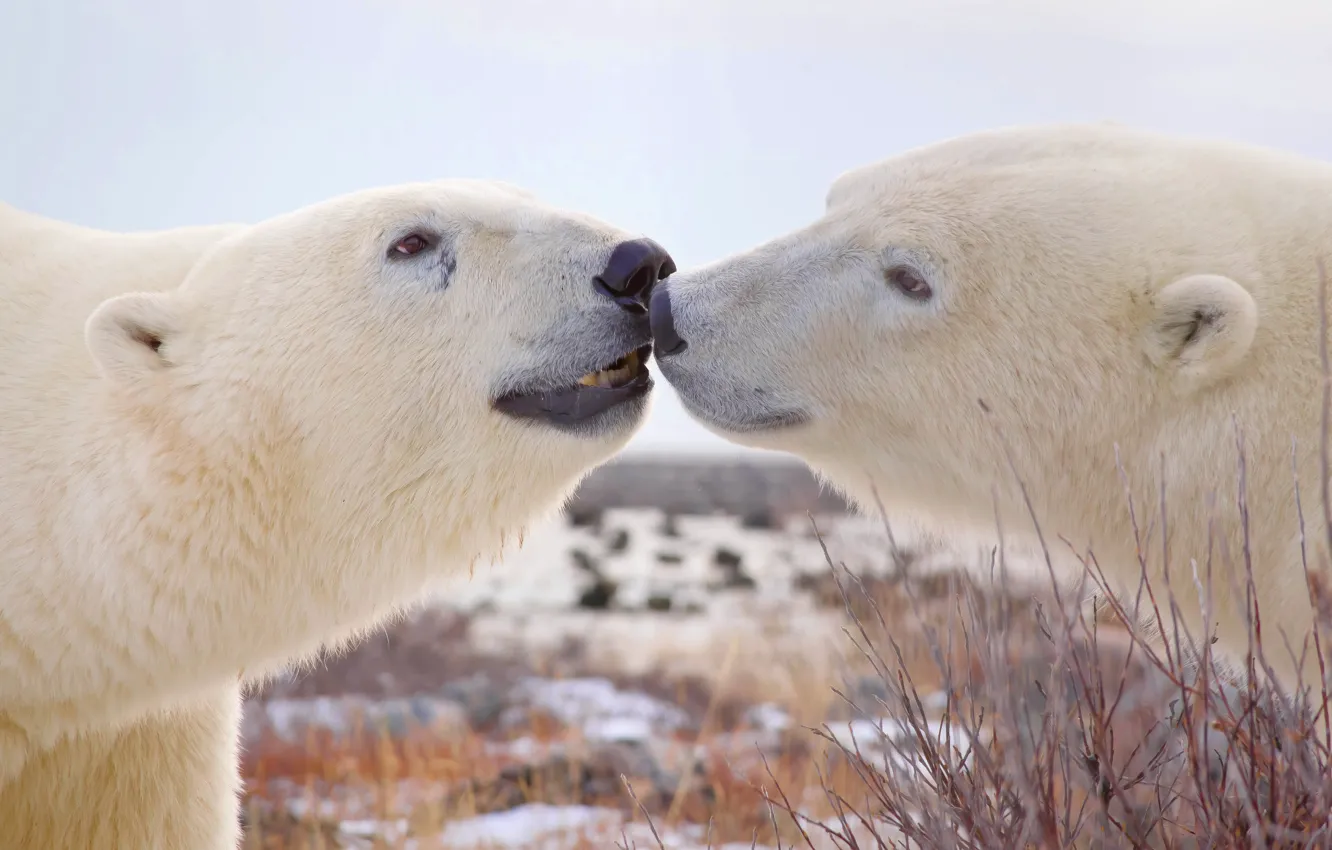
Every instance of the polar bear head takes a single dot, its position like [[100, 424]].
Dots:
[[401, 361], [1035, 296]]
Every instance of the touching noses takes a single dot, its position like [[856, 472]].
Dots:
[[633, 269], [666, 340]]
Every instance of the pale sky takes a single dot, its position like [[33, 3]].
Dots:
[[709, 124]]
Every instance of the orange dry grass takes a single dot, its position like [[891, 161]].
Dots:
[[428, 779]]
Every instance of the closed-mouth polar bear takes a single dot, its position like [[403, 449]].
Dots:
[[1095, 312], [225, 448]]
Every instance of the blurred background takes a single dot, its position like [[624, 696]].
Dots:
[[681, 609]]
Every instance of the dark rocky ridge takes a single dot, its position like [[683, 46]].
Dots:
[[761, 491]]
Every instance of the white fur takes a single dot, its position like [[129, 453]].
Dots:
[[1096, 289], [225, 448]]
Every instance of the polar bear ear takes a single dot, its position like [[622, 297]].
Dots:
[[1201, 328], [125, 334]]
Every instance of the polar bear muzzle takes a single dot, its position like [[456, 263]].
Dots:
[[632, 271]]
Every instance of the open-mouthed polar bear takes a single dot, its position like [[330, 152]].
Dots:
[[227, 447], [1079, 301]]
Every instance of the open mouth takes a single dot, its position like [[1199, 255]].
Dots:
[[624, 379], [620, 373]]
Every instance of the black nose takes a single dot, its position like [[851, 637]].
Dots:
[[634, 267], [665, 340]]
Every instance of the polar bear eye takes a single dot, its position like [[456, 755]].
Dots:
[[908, 282], [409, 245]]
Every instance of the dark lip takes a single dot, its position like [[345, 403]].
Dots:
[[577, 403]]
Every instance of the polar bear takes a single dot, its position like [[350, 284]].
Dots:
[[1093, 311], [225, 448]]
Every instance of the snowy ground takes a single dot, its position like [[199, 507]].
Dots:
[[647, 594], [640, 647]]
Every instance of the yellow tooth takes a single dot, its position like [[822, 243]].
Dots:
[[612, 377]]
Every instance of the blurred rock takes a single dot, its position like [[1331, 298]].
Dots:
[[481, 696], [761, 491], [290, 720]]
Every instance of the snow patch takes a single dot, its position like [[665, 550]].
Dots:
[[602, 711], [536, 826]]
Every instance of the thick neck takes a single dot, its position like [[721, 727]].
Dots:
[[236, 556]]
